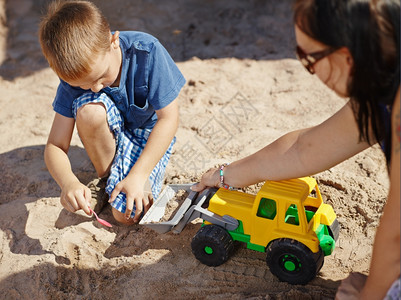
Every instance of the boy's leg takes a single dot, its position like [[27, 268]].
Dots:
[[120, 216], [96, 136], [130, 146], [91, 110], [98, 123]]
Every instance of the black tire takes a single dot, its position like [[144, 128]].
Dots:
[[212, 245], [293, 262]]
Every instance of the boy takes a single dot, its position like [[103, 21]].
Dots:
[[120, 90]]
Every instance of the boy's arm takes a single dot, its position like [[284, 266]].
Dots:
[[159, 140], [74, 195], [385, 263]]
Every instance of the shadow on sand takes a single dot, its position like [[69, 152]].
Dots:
[[253, 29]]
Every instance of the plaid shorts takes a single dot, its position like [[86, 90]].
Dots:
[[129, 146]]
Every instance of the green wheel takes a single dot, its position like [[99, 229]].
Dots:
[[292, 261], [212, 245]]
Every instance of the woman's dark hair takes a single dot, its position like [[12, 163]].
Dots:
[[370, 29]]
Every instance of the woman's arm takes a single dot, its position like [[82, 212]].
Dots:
[[296, 154], [385, 263]]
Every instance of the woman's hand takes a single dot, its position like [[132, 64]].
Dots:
[[210, 179], [351, 287]]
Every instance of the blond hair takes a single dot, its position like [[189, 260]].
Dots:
[[72, 34]]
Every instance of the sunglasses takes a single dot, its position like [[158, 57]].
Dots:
[[308, 60]]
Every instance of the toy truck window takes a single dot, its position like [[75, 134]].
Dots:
[[267, 209], [291, 215]]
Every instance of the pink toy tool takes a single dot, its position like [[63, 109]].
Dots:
[[101, 221]]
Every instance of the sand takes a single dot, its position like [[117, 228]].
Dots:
[[173, 205], [244, 90]]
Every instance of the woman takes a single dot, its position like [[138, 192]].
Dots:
[[353, 46]]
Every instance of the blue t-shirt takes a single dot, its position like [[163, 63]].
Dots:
[[150, 80]]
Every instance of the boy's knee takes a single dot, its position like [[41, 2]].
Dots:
[[92, 115], [120, 217]]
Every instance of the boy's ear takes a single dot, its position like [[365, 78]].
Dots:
[[115, 41]]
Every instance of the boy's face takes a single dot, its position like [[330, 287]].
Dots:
[[105, 71]]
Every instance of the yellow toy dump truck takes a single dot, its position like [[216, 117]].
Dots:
[[286, 219]]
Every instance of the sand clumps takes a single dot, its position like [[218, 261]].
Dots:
[[174, 204]]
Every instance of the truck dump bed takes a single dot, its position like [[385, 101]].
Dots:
[[194, 206]]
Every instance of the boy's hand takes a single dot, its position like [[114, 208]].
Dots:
[[75, 196], [135, 193]]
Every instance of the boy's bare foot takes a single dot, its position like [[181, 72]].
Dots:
[[99, 197]]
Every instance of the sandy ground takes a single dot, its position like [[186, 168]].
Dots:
[[244, 89]]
